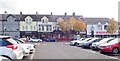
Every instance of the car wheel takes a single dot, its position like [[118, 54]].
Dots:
[[115, 51], [75, 43]]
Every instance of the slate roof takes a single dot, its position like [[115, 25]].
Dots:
[[96, 20]]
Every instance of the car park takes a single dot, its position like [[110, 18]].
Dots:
[[97, 44], [110, 47], [79, 43], [74, 42], [8, 43], [25, 47], [87, 44], [35, 40]]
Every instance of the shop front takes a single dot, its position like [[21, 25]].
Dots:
[[28, 34]]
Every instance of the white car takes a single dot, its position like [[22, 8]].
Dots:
[[79, 43], [25, 47], [74, 42], [32, 46], [35, 40], [95, 45], [13, 45]]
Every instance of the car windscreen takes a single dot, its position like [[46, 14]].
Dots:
[[114, 41]]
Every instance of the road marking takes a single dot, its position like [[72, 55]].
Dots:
[[94, 52]]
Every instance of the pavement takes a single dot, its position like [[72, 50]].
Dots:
[[62, 50]]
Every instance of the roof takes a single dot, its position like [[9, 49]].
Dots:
[[96, 20]]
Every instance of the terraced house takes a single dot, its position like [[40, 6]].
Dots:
[[11, 25], [41, 25], [28, 25]]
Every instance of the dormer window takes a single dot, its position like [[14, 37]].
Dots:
[[28, 19], [99, 26], [44, 19], [105, 26]]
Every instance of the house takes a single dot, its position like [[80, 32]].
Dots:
[[10, 25], [97, 27], [28, 25]]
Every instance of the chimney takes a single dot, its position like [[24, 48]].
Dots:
[[51, 13], [73, 13], [5, 12], [65, 13], [20, 13], [36, 13]]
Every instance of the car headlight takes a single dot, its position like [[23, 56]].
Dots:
[[108, 46]]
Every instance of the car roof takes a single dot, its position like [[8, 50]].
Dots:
[[5, 36]]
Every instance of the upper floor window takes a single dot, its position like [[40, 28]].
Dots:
[[28, 19], [31, 28], [44, 19], [99, 26], [26, 28], [105, 27], [22, 27]]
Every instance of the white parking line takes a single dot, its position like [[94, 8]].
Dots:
[[95, 52]]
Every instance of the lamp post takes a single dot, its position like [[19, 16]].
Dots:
[[92, 31]]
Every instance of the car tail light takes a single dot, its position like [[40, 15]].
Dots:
[[14, 47]]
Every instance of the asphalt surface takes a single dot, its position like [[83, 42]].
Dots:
[[62, 50]]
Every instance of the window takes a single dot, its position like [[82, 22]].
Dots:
[[26, 28], [22, 27], [43, 20], [47, 28], [31, 28], [34, 28], [99, 27], [105, 27], [42, 28]]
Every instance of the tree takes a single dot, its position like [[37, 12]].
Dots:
[[72, 24], [112, 26]]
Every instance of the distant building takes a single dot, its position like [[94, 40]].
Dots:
[[11, 25], [98, 26], [28, 26], [40, 25]]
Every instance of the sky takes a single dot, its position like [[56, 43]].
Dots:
[[87, 8]]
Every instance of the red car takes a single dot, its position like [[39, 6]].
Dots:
[[110, 47]]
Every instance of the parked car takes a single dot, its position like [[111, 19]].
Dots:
[[4, 59], [10, 48], [51, 40], [74, 42], [25, 47], [79, 43], [35, 40], [87, 44], [97, 44], [32, 46], [110, 47]]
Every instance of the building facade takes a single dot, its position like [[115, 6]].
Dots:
[[11, 26], [97, 27], [1, 25], [28, 26]]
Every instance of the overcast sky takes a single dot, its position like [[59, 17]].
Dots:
[[87, 8]]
